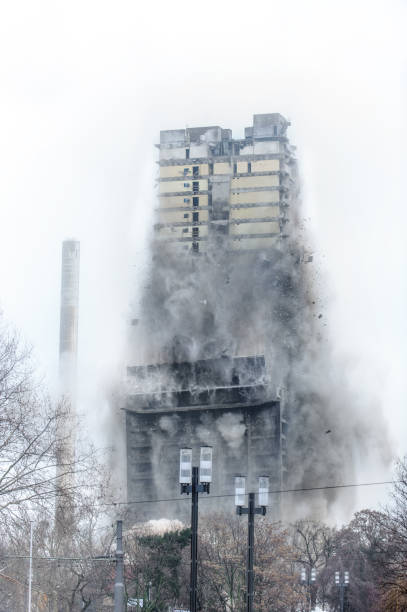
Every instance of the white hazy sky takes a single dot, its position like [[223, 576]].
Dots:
[[86, 87]]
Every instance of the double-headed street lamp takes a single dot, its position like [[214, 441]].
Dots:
[[195, 480], [251, 510], [310, 578], [342, 581]]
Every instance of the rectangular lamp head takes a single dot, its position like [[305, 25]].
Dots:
[[185, 466], [205, 465], [263, 491], [336, 577], [240, 490], [346, 577]]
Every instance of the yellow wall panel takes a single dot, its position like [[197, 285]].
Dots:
[[269, 227], [242, 166], [266, 165], [255, 212], [222, 168], [176, 186], [165, 233], [254, 197], [253, 243], [245, 182]]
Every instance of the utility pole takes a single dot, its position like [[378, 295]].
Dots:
[[30, 571], [190, 483], [251, 510], [119, 581]]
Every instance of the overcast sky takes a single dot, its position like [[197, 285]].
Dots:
[[86, 87]]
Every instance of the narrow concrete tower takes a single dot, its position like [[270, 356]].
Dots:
[[68, 343], [68, 332]]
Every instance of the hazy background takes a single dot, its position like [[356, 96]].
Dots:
[[85, 89]]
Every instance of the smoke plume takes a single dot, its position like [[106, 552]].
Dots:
[[226, 304]]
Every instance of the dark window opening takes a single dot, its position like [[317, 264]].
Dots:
[[185, 230], [195, 232], [186, 200], [235, 169], [186, 170], [195, 217], [236, 148], [186, 184], [275, 130], [195, 170], [195, 246], [195, 186], [210, 168], [186, 215], [195, 201], [249, 167], [186, 153]]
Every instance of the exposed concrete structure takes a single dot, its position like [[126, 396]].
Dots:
[[213, 404]]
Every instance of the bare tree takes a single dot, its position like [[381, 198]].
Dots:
[[35, 472], [80, 579], [30, 438], [392, 544], [313, 545], [223, 549]]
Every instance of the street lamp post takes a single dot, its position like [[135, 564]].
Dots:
[[342, 581], [119, 579], [30, 571], [251, 510], [309, 579], [191, 482]]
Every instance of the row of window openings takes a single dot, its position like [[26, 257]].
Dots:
[[195, 186], [195, 171], [195, 217], [195, 201], [195, 231]]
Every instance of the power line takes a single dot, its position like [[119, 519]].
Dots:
[[90, 559], [275, 492], [219, 563]]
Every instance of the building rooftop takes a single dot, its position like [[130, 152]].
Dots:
[[266, 125]]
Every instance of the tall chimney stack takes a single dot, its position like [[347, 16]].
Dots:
[[68, 332], [68, 344]]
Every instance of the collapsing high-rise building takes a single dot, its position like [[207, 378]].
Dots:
[[219, 317], [214, 185]]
